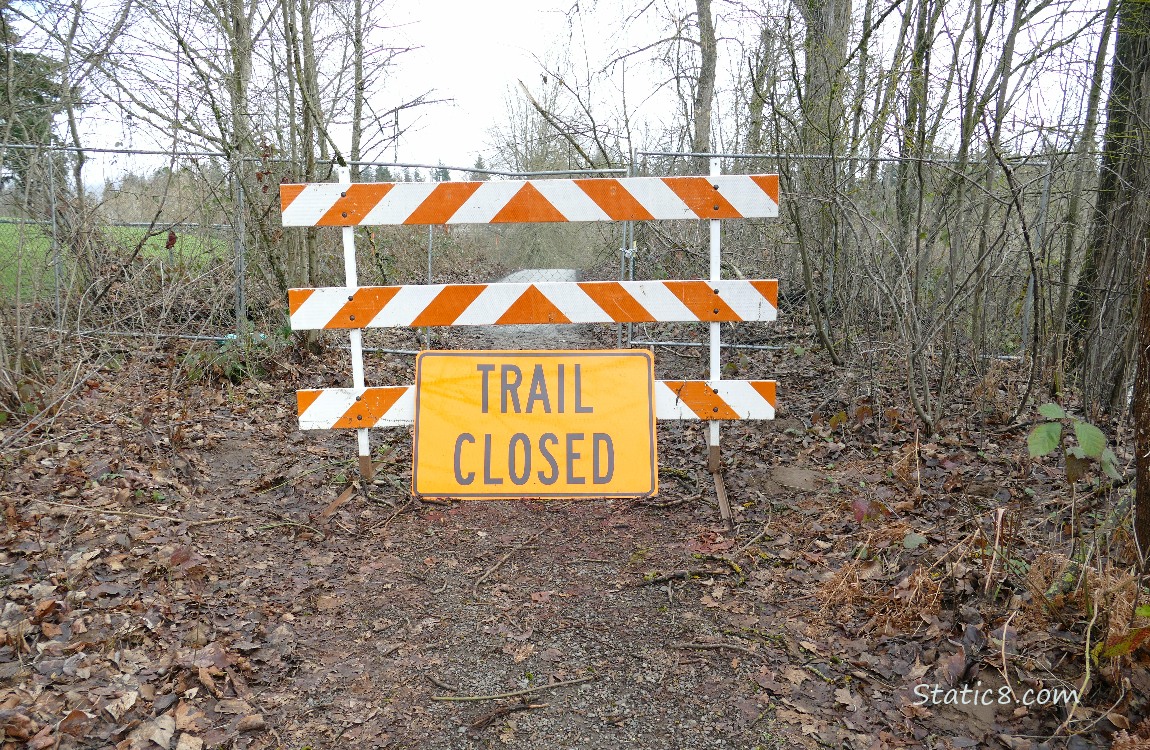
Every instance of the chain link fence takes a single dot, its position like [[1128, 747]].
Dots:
[[189, 251]]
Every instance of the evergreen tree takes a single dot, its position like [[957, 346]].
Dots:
[[29, 99], [479, 176]]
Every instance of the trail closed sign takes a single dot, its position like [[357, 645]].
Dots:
[[526, 424]]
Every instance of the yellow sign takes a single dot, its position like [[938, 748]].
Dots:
[[527, 424]]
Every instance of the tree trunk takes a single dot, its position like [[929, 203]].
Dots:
[[358, 86], [1142, 422], [705, 88], [1104, 298], [823, 133], [1080, 163], [762, 82]]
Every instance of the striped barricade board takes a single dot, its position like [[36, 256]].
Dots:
[[394, 406], [530, 201], [540, 302]]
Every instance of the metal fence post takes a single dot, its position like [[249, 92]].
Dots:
[[1030, 298], [56, 259], [238, 230]]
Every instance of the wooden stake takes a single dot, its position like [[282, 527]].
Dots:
[[724, 503]]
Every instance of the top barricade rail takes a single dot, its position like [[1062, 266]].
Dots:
[[530, 201]]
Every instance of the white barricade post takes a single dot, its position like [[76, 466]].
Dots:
[[528, 389]]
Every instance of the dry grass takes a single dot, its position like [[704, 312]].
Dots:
[[874, 584]]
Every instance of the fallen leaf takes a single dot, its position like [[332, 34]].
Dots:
[[913, 540], [1118, 720], [43, 740], [160, 731], [189, 742], [844, 697], [233, 706], [190, 718], [251, 723], [206, 680], [122, 705], [75, 723]]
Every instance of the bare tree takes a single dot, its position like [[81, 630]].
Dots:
[[1105, 296], [705, 85]]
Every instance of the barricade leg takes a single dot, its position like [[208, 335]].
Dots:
[[366, 470], [714, 462]]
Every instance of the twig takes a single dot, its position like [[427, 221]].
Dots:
[[489, 718], [667, 504], [332, 507], [1085, 681], [133, 514], [751, 543], [998, 515], [290, 480], [487, 574], [269, 526], [392, 517], [441, 684], [500, 696], [1005, 630], [683, 575], [966, 539], [715, 646]]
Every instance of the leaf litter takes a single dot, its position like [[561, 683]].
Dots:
[[231, 585]]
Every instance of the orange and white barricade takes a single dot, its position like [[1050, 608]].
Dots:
[[352, 307]]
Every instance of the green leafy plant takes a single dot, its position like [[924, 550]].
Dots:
[[1125, 643], [1048, 436], [234, 359]]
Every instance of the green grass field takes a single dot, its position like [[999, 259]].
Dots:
[[26, 254]]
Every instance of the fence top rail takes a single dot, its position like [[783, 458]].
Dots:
[[1017, 160], [530, 201], [283, 160]]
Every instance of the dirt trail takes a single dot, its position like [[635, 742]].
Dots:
[[539, 336]]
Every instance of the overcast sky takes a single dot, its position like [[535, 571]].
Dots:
[[473, 53]]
